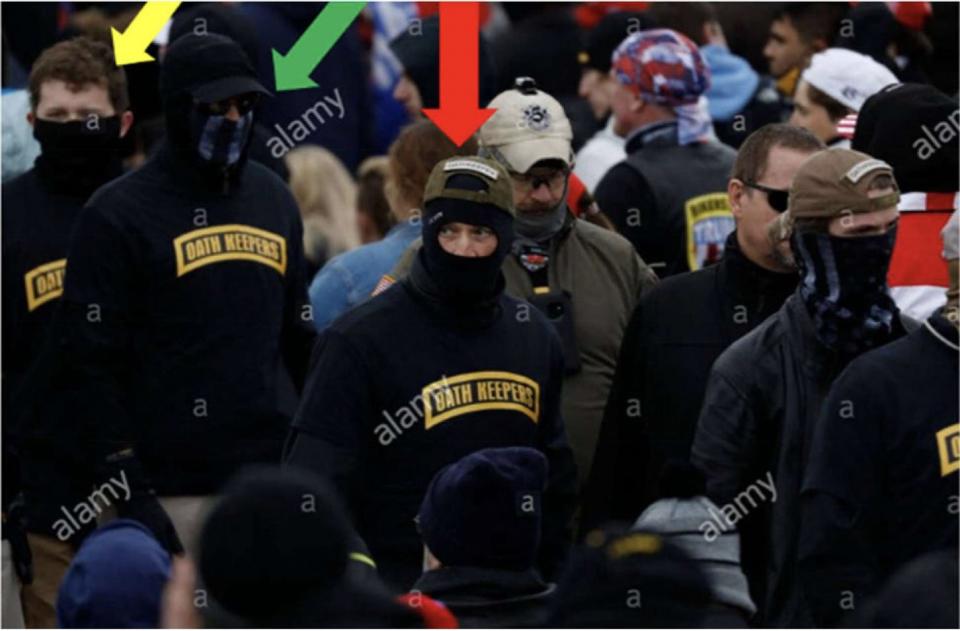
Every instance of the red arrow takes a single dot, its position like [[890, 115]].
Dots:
[[458, 115]]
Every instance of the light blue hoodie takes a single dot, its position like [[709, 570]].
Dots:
[[733, 82]]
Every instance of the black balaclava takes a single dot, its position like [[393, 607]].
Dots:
[[843, 283], [212, 148], [461, 280], [78, 157]]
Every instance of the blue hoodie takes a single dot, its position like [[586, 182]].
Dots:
[[733, 82], [116, 580]]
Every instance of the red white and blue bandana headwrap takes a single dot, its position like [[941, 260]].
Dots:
[[667, 68]]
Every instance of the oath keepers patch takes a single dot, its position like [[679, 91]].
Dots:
[[948, 446], [479, 391], [231, 242], [44, 283], [709, 222]]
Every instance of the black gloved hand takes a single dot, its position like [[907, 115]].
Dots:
[[147, 510], [142, 504], [15, 532]]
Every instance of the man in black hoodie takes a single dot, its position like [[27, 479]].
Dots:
[[79, 113], [184, 335], [668, 347], [439, 365]]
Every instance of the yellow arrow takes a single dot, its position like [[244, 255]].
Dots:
[[130, 47]]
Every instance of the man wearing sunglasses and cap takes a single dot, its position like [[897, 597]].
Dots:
[[183, 338], [683, 324], [765, 392], [437, 366]]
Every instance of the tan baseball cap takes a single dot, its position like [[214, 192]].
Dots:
[[499, 190], [529, 126], [832, 183]]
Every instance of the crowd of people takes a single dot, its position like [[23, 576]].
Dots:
[[671, 341]]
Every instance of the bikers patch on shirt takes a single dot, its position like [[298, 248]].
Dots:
[[708, 222], [948, 446], [44, 283], [232, 242]]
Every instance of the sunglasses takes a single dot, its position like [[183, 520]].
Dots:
[[777, 199], [244, 103], [526, 183]]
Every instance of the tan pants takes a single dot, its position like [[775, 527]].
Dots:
[[12, 617], [51, 558]]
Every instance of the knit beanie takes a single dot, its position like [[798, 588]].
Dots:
[[695, 525], [484, 510], [116, 580]]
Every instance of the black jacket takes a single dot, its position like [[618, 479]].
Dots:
[[676, 332], [670, 201], [184, 328], [759, 412], [371, 421], [37, 223], [881, 482], [489, 599]]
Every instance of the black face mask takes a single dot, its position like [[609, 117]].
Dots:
[[218, 141], [461, 279], [78, 157], [843, 282]]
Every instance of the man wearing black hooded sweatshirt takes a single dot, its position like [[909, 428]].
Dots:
[[79, 113], [439, 365], [184, 332]]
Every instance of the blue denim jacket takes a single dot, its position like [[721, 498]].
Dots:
[[347, 279]]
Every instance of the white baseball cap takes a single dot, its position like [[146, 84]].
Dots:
[[529, 126], [847, 76]]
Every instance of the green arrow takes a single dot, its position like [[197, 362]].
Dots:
[[292, 71]]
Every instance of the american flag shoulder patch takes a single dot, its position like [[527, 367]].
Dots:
[[385, 281]]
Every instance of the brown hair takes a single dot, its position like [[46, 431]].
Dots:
[[751, 162], [79, 62], [835, 109], [412, 156], [687, 18], [817, 23], [371, 199]]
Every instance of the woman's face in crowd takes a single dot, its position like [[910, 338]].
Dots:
[[464, 239], [811, 116]]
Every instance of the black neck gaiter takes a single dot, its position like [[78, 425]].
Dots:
[[843, 283], [78, 157]]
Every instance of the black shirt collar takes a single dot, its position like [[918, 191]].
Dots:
[[659, 134]]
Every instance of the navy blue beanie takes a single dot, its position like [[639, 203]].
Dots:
[[485, 510], [116, 580]]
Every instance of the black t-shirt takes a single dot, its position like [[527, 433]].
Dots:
[[397, 390], [881, 481]]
